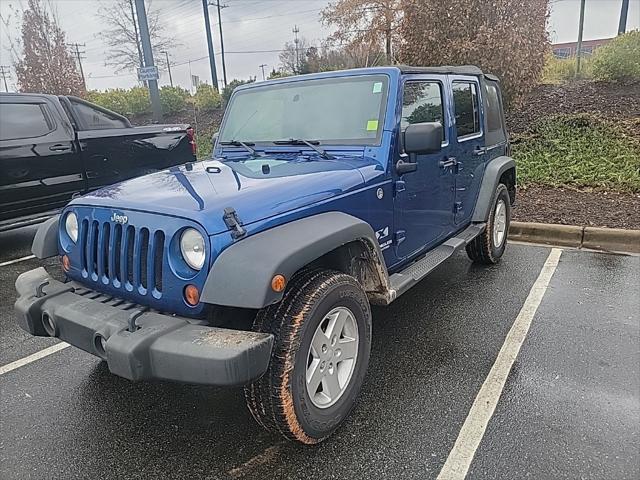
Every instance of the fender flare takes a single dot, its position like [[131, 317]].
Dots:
[[45, 242], [241, 275], [492, 173]]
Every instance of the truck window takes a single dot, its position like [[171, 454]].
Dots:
[[422, 102], [94, 119], [24, 120], [465, 104]]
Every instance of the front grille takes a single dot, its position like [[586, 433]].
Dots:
[[123, 256]]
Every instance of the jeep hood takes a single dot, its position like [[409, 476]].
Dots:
[[257, 188]]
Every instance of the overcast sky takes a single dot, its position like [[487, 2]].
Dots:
[[254, 31]]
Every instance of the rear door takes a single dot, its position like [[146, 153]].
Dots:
[[40, 168], [469, 144]]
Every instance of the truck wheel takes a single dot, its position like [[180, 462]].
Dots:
[[322, 330], [488, 247]]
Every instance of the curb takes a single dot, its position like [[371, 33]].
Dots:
[[593, 238]]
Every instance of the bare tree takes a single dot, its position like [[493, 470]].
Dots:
[[45, 65], [365, 24], [122, 36]]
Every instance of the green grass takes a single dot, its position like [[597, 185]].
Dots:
[[578, 151]]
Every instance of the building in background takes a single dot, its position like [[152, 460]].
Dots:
[[569, 49]]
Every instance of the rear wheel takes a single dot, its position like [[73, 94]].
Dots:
[[489, 246], [322, 330]]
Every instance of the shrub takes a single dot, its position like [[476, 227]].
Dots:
[[173, 99], [134, 101], [619, 60], [206, 97], [558, 70], [579, 151]]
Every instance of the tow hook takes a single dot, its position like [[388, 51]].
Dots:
[[39, 290], [134, 316]]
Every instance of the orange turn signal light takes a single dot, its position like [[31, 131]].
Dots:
[[278, 282], [66, 263], [191, 295]]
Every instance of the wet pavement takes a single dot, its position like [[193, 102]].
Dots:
[[570, 407]]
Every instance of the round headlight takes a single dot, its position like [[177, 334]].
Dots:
[[192, 248], [71, 226]]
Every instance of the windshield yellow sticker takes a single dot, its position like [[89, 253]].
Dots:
[[372, 125], [377, 87]]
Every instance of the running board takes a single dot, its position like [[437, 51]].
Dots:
[[407, 278]]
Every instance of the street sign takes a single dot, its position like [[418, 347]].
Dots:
[[148, 73]]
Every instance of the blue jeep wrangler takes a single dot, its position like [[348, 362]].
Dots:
[[325, 193]]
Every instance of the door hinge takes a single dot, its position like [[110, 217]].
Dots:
[[232, 221], [457, 207], [399, 237], [399, 186]]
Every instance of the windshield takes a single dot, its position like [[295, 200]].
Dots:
[[346, 110]]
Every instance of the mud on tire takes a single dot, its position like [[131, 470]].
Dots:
[[279, 400]]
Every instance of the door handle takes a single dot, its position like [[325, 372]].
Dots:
[[448, 162], [480, 150], [59, 148]]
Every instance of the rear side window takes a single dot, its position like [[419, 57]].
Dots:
[[465, 102], [494, 117], [94, 119], [422, 102], [24, 120]]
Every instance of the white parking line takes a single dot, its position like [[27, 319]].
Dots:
[[461, 456], [16, 260], [32, 358]]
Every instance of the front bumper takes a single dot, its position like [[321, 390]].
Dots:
[[161, 347]]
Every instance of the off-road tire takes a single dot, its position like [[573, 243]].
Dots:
[[482, 248], [279, 400]]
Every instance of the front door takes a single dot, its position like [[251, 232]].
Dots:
[[424, 198]]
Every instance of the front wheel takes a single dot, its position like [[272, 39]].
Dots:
[[489, 246], [322, 330]]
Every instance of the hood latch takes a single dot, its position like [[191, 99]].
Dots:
[[232, 221]]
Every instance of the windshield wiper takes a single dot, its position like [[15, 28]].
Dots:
[[309, 143], [245, 145]]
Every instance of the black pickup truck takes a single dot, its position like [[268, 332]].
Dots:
[[54, 147]]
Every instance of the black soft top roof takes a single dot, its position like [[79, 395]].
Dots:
[[447, 69]]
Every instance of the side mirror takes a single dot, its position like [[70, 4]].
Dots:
[[214, 139], [423, 138]]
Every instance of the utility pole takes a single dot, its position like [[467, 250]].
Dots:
[[224, 64], [262, 67], [168, 67], [4, 71], [624, 10], [76, 51], [156, 107], [212, 58], [580, 30], [135, 29], [296, 30]]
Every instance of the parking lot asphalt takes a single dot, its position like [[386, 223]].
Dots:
[[570, 407]]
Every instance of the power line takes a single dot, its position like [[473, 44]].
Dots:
[[262, 68], [75, 48]]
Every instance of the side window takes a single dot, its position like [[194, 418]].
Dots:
[[422, 102], [95, 119], [493, 109], [465, 104], [24, 120]]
